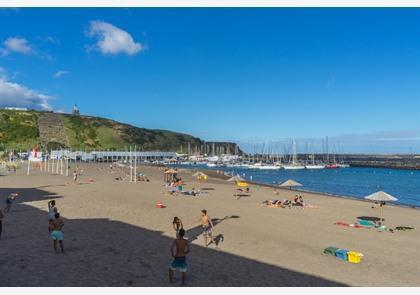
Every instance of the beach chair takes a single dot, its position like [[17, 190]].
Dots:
[[342, 254], [354, 257], [330, 250]]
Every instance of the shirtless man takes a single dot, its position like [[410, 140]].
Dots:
[[55, 228], [179, 251], [74, 176], [207, 227]]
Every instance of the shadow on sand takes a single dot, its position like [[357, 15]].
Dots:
[[103, 252]]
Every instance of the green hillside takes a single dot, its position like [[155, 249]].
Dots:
[[25, 129]]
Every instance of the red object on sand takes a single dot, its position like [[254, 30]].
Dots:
[[159, 205]]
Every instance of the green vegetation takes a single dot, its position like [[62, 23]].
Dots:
[[19, 130]]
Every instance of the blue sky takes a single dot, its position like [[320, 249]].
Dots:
[[248, 75]]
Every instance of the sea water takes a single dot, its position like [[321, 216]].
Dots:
[[351, 182]]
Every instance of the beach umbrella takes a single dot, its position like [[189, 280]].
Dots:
[[289, 183], [381, 196], [235, 178], [171, 171]]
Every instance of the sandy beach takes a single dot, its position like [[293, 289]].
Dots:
[[115, 235]]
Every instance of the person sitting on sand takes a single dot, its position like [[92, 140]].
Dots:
[[297, 201], [177, 224], [179, 251], [9, 201], [52, 209], [207, 226], [55, 228]]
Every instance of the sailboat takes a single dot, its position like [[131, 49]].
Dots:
[[313, 165], [294, 164]]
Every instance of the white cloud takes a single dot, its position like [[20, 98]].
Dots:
[[16, 95], [59, 74], [16, 44], [112, 40]]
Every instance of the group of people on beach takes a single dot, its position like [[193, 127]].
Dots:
[[180, 246], [297, 201]]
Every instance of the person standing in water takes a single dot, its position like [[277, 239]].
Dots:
[[179, 251], [207, 226], [56, 231]]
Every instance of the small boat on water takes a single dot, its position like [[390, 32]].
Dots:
[[344, 165], [314, 166], [332, 166], [269, 167]]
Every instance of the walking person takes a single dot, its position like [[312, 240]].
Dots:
[[74, 176], [9, 201], [56, 231], [207, 226], [179, 251]]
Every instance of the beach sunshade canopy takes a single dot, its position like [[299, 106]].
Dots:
[[242, 184], [235, 178], [199, 174], [171, 171], [290, 183], [381, 196]]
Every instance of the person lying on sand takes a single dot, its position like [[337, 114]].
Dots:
[[179, 251], [55, 228], [207, 226], [275, 203]]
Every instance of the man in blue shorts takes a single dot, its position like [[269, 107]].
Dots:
[[179, 251]]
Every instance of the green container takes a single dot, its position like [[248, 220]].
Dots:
[[330, 250]]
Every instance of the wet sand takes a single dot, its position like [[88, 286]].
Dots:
[[115, 235]]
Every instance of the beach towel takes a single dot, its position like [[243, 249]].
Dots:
[[341, 223], [366, 223]]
